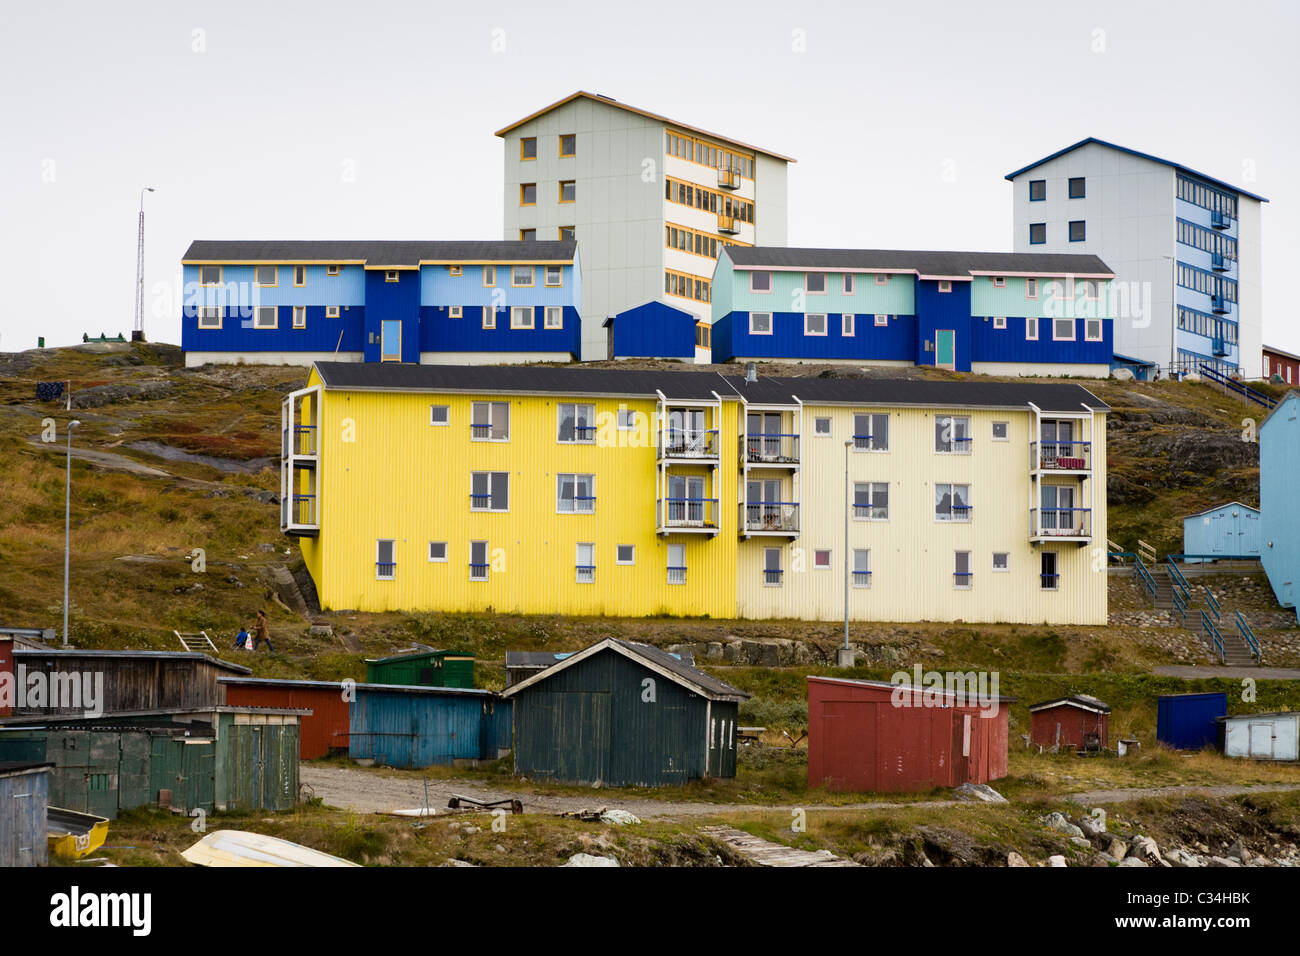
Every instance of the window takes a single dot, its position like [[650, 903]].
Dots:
[[882, 279], [1001, 561], [331, 311], [1031, 288], [999, 282], [1037, 190], [489, 276], [815, 282], [846, 324], [760, 323], [1077, 187], [760, 282], [814, 323], [568, 232], [625, 554], [1037, 233], [1000, 431], [861, 568], [265, 317], [527, 147], [478, 561], [577, 423], [568, 144], [772, 567], [1048, 578], [333, 270], [209, 275], [266, 275], [848, 283], [703, 335], [568, 190], [1078, 230], [575, 494], [871, 432], [627, 419], [391, 275], [945, 285], [456, 270], [999, 321], [1063, 330], [952, 434], [554, 317], [490, 421], [1031, 328], [209, 317], [439, 415], [676, 564], [527, 235], [961, 572], [822, 559], [521, 317], [300, 317], [952, 502], [528, 194], [300, 276], [1091, 288], [455, 311], [521, 277], [882, 320], [438, 551], [822, 426], [1092, 330], [489, 491], [554, 277], [385, 563], [871, 500], [584, 561], [489, 317]]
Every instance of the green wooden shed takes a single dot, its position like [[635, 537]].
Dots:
[[423, 668], [620, 713]]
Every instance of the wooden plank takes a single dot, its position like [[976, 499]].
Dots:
[[766, 853]]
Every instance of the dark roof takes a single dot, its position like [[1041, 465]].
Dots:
[[416, 654], [1132, 152], [1276, 351], [1271, 713], [279, 682], [701, 386], [536, 659], [383, 252], [672, 662], [420, 689], [129, 655], [1074, 700], [22, 766], [922, 262]]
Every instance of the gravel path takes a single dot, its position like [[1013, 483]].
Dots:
[[1258, 673], [1208, 790]]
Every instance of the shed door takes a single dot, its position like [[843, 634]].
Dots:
[[390, 340], [581, 736], [1261, 741], [945, 348]]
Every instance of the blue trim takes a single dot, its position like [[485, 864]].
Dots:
[[1083, 187], [1078, 222], [1038, 182], [1132, 152], [1032, 240]]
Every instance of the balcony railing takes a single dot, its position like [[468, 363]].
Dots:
[[1219, 346], [586, 573], [963, 579], [1220, 305], [728, 224], [487, 432], [676, 575], [775, 517], [385, 570], [1219, 262], [584, 504], [871, 512], [729, 178], [1060, 522], [769, 448], [304, 439], [1049, 582], [1220, 219], [478, 572], [772, 576], [1061, 455], [302, 510], [688, 443], [687, 513], [862, 579]]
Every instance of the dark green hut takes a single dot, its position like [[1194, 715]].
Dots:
[[425, 668], [624, 714]]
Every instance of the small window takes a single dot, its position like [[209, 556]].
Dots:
[[1001, 431], [300, 276], [1037, 233], [1048, 577], [490, 421], [760, 323], [861, 568], [772, 567], [1063, 330], [1078, 230], [676, 564], [1078, 187], [438, 551], [822, 426], [882, 320], [952, 502], [521, 317], [1091, 289], [489, 317], [822, 559], [528, 194], [945, 285], [554, 277], [527, 235], [521, 277], [456, 270], [999, 282], [333, 270], [209, 317], [962, 576], [760, 282], [392, 275], [568, 144], [455, 311], [625, 554], [1031, 328], [478, 561], [848, 283], [846, 324], [871, 432], [871, 501], [300, 317], [554, 317], [527, 147], [815, 282], [1031, 288], [489, 276], [439, 415], [882, 279], [568, 190], [265, 317], [1092, 330], [331, 311], [209, 275], [584, 561], [575, 423], [952, 434], [1001, 561], [814, 323], [266, 275], [627, 419], [489, 491], [385, 563], [575, 494], [1037, 190]]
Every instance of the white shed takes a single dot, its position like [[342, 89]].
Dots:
[[1262, 736]]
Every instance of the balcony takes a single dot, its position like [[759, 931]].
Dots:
[[1220, 305], [772, 449], [728, 225], [1060, 456], [385, 570], [303, 442], [1219, 346], [1060, 524], [1219, 262], [770, 517], [300, 510], [688, 444], [729, 178], [870, 512], [1220, 219], [772, 577], [862, 579], [686, 515], [299, 464]]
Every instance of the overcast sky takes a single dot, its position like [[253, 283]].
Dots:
[[326, 120]]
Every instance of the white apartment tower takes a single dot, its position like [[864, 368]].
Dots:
[[650, 201]]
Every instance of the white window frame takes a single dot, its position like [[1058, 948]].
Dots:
[[579, 569], [848, 324], [331, 311], [522, 317], [392, 553], [807, 276], [209, 312], [333, 270], [553, 317], [446, 419], [480, 574], [455, 311], [491, 491], [809, 315], [999, 282], [589, 427], [300, 317], [830, 559], [262, 310], [754, 331], [1006, 429], [855, 570], [778, 570], [999, 321], [951, 517], [1006, 563], [1056, 337], [1031, 325], [587, 507], [489, 420], [627, 424], [882, 319], [968, 573], [871, 504], [1087, 330], [945, 285], [629, 561], [962, 447], [817, 427], [392, 275], [679, 549], [443, 559], [770, 283]]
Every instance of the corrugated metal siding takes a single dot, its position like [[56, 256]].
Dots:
[[399, 729], [423, 670], [24, 798], [894, 298], [441, 333], [1186, 721], [325, 730], [386, 301], [937, 310], [654, 330], [256, 763], [1229, 529], [439, 288], [895, 342], [1010, 345], [1279, 463]]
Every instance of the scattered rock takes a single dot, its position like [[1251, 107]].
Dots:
[[586, 859], [453, 862], [1118, 848], [1015, 859], [620, 817], [1095, 823], [321, 630], [1132, 861], [1059, 822], [1056, 860], [981, 792]]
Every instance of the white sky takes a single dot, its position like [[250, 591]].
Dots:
[[904, 118]]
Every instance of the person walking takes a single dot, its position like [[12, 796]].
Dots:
[[261, 634]]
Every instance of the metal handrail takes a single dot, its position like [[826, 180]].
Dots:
[[1208, 626], [1259, 398], [1180, 606], [1249, 636], [1177, 580], [1144, 575], [1212, 603]]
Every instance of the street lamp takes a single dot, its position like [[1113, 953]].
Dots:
[[67, 531], [138, 333], [845, 656]]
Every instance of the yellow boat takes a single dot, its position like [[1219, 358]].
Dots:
[[72, 834]]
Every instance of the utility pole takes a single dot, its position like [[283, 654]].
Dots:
[[844, 657], [67, 531], [137, 335]]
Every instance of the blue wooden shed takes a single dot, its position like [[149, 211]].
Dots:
[[1279, 506], [1228, 530], [652, 330], [1187, 721], [402, 726]]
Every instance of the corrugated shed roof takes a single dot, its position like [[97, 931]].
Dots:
[[413, 689], [686, 671], [920, 261], [381, 252], [279, 682], [127, 655], [1085, 701]]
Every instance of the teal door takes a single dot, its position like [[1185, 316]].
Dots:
[[390, 340], [945, 348]]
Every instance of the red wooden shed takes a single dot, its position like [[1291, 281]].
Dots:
[[1078, 722], [860, 738], [327, 727]]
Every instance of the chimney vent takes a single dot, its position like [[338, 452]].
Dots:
[[751, 372]]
